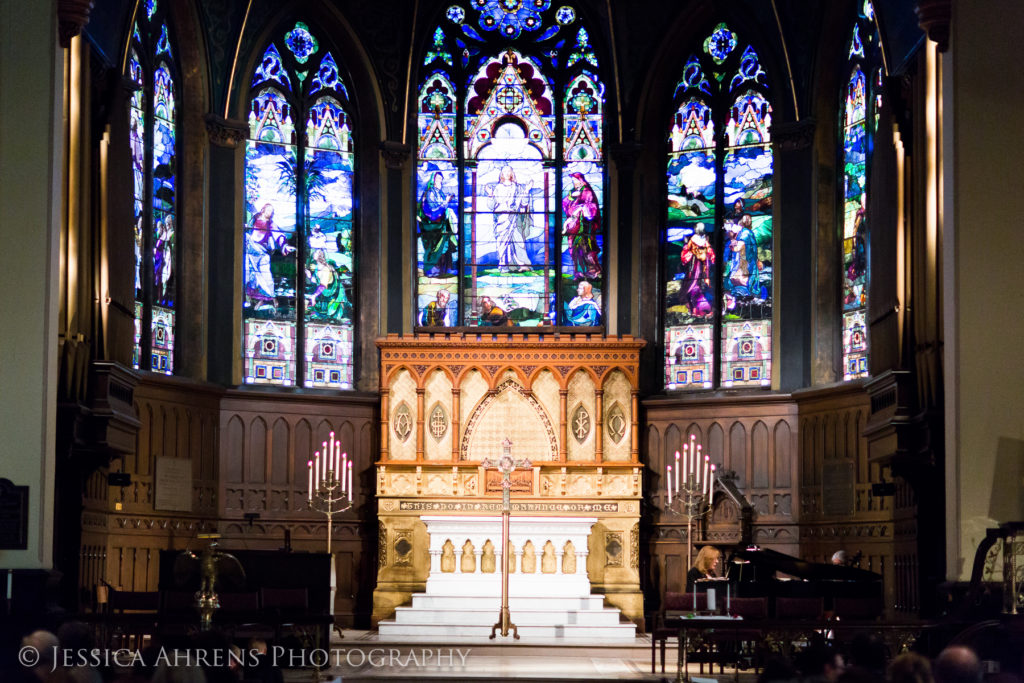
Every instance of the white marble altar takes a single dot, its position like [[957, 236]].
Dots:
[[549, 590]]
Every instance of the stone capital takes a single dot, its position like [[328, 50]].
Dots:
[[72, 16], [395, 154], [793, 135], [225, 132], [934, 17]]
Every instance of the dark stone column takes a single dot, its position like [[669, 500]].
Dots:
[[625, 156], [396, 260], [793, 221], [225, 136]]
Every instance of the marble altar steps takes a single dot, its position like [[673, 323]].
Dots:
[[537, 617]]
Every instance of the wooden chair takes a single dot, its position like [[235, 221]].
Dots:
[[131, 617], [674, 602]]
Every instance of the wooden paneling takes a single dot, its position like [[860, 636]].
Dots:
[[778, 446], [248, 452]]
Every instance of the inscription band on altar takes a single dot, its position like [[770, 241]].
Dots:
[[427, 506]]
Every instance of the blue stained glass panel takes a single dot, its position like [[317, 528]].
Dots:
[[271, 68], [565, 15], [511, 18], [456, 14], [136, 142], [750, 120], [270, 118], [720, 43], [693, 77], [163, 46], [269, 265], [549, 32], [301, 42], [327, 77], [329, 265], [583, 50], [750, 70], [164, 177], [150, 8], [438, 51], [690, 268], [856, 45], [582, 248], [747, 266]]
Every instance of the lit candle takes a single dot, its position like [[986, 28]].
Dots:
[[316, 456], [327, 463], [686, 463], [310, 464], [350, 481], [711, 496], [707, 463], [344, 468], [696, 464], [668, 484], [331, 452], [677, 470], [337, 458]]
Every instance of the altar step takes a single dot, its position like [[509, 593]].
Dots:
[[568, 603], [468, 616]]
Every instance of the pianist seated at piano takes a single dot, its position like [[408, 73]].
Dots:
[[703, 567]]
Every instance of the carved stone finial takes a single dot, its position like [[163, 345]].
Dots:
[[72, 16], [793, 135], [225, 132], [934, 17], [395, 154]]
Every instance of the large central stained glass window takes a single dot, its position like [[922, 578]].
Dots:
[[510, 170], [718, 235], [297, 260]]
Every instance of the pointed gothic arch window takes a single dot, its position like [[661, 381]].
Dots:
[[719, 234], [299, 202], [862, 79], [510, 170], [153, 141]]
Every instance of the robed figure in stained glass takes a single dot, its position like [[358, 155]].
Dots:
[[437, 228], [510, 202], [582, 224], [697, 258], [584, 308], [742, 269], [328, 299], [260, 242]]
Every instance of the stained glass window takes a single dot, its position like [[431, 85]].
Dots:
[[859, 117], [298, 247], [719, 234], [153, 139], [510, 169]]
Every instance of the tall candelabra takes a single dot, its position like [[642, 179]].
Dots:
[[330, 482], [691, 491]]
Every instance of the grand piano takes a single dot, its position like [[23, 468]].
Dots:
[[793, 586]]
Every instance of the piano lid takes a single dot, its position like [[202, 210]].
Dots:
[[767, 562]]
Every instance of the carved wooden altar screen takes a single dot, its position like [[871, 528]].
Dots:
[[567, 402]]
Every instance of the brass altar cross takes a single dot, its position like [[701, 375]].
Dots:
[[505, 465]]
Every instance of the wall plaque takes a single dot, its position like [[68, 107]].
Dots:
[[173, 485], [837, 495], [13, 516]]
